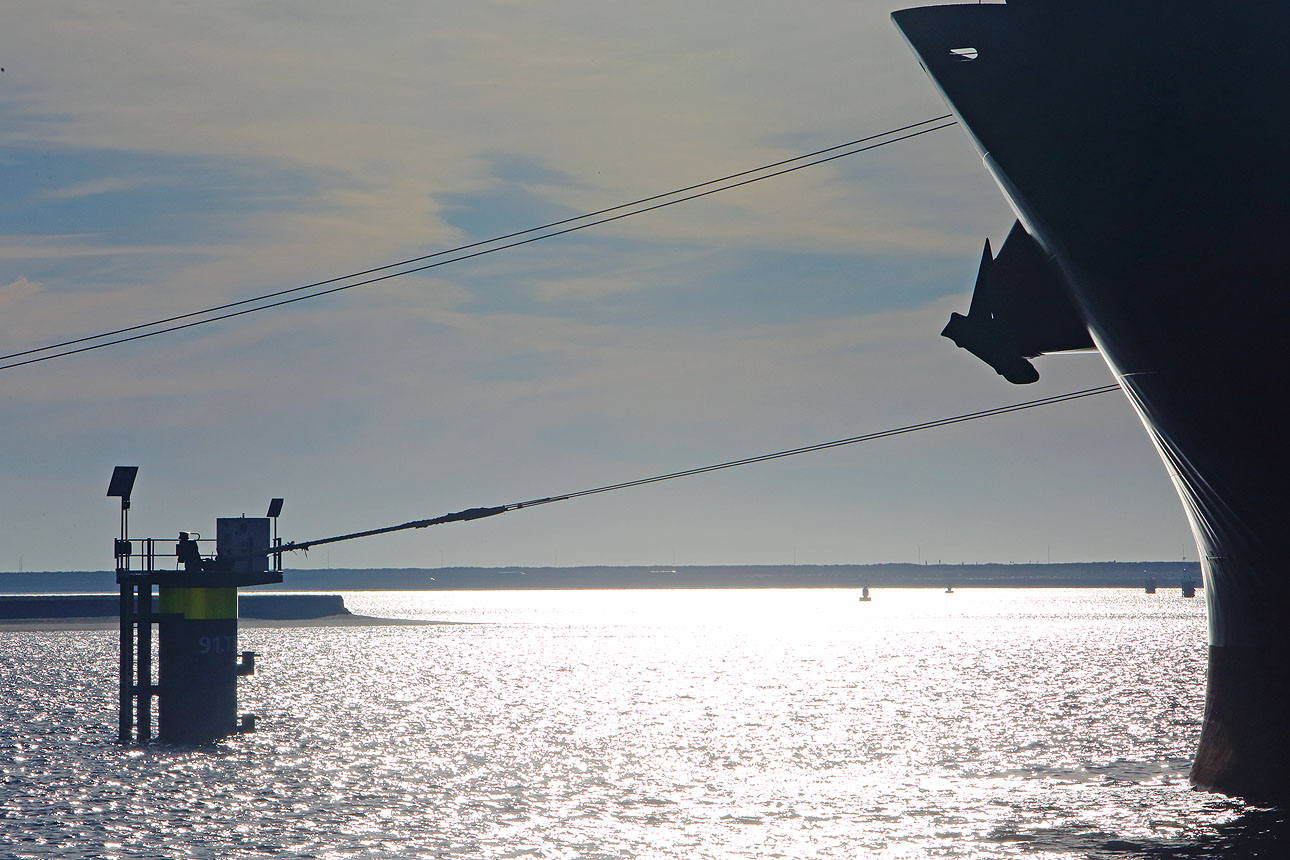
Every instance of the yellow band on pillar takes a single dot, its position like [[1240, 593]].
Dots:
[[199, 603]]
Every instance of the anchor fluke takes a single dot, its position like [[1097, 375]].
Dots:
[[1019, 310]]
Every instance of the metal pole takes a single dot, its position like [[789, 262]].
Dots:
[[143, 683], [125, 717], [125, 723]]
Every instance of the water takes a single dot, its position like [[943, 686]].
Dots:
[[665, 724]]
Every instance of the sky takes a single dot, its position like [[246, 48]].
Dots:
[[162, 158]]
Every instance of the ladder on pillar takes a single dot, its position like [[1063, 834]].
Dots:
[[137, 689]]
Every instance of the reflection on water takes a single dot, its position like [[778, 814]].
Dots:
[[674, 724]]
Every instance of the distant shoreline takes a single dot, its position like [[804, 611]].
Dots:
[[1113, 574]]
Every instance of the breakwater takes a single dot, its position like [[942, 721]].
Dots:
[[277, 607]]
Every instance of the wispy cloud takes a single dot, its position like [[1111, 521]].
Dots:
[[73, 246], [17, 290], [103, 185]]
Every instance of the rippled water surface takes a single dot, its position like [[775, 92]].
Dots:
[[669, 724]]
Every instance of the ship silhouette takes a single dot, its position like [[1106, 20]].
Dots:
[[1143, 145]]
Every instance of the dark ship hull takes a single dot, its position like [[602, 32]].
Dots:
[[1144, 145]]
